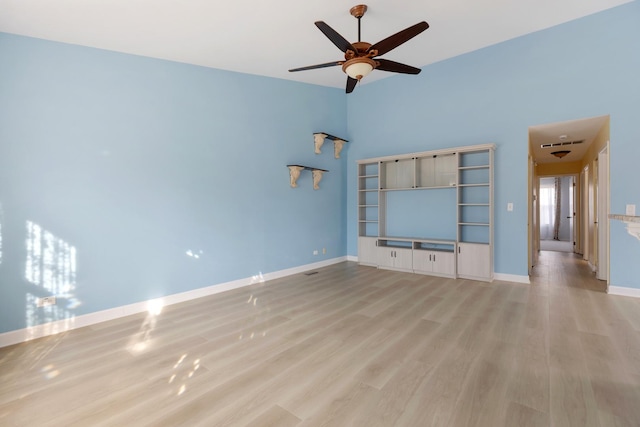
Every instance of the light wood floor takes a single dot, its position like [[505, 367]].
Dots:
[[349, 345]]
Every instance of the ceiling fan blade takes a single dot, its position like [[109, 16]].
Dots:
[[340, 42], [392, 42], [351, 84], [313, 67], [396, 67]]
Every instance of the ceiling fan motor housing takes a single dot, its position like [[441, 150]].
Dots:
[[359, 57]]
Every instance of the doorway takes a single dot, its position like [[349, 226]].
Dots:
[[557, 213], [576, 151]]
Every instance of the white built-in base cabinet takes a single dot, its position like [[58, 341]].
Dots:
[[368, 251], [432, 257], [435, 263], [395, 258], [474, 261]]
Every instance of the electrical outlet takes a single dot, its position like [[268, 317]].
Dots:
[[510, 207], [46, 301], [315, 252], [631, 210], [324, 251]]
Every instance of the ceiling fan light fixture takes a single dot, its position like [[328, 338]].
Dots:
[[560, 154], [357, 68]]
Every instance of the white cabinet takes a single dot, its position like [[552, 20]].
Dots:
[[474, 261], [436, 171], [475, 215], [436, 263], [368, 251], [368, 200], [395, 258], [398, 174], [440, 197]]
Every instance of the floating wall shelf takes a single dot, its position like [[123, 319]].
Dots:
[[338, 143], [294, 174]]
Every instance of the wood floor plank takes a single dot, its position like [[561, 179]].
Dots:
[[523, 416], [349, 345], [275, 417]]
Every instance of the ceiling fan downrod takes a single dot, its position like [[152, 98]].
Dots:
[[358, 12]]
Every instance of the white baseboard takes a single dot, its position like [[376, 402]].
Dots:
[[52, 328], [625, 292], [353, 258], [511, 278]]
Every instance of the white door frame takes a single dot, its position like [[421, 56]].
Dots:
[[584, 181], [603, 214], [533, 250]]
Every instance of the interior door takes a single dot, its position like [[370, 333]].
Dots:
[[603, 212], [586, 217], [533, 225], [572, 213]]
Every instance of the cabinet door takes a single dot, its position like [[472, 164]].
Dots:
[[474, 261], [398, 174], [444, 263], [445, 170], [367, 251], [422, 261], [386, 257], [403, 259]]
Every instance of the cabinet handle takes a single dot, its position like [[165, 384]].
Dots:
[[429, 257], [434, 257], [458, 249]]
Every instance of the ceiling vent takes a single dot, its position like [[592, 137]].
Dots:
[[560, 144]]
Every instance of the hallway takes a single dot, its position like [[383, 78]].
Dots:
[[565, 269]]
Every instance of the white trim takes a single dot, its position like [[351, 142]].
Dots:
[[511, 278], [353, 258], [464, 149], [52, 328], [623, 291]]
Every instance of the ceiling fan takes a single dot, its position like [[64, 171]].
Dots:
[[360, 58]]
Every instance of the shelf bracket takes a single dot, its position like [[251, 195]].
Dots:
[[337, 147], [318, 140], [294, 174], [338, 143], [317, 176]]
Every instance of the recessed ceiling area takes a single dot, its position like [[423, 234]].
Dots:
[[575, 136], [269, 38]]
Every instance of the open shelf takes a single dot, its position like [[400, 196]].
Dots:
[[446, 195]]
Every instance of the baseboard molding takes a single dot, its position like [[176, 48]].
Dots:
[[625, 292], [353, 258], [511, 278], [52, 328]]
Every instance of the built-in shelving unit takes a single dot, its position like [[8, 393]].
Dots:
[[475, 214], [466, 175]]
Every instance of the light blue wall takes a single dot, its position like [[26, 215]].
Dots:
[[135, 161], [585, 68]]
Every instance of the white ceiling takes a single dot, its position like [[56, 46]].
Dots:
[[268, 38], [563, 133]]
